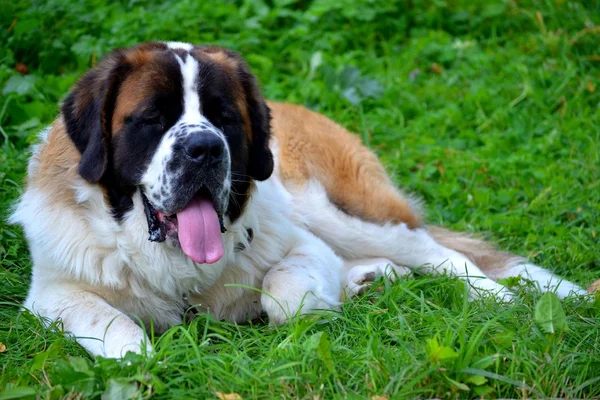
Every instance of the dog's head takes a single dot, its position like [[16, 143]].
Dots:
[[186, 125]]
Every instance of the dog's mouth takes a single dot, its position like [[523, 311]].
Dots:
[[196, 228]]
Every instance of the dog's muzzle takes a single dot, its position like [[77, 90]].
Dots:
[[193, 193]]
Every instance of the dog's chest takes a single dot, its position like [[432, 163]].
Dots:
[[156, 277], [235, 295]]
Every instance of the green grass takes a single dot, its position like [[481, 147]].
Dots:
[[489, 110]]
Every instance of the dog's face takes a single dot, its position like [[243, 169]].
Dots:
[[184, 124]]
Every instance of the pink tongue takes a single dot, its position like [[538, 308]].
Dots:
[[200, 231]]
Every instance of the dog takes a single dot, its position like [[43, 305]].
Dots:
[[167, 177]]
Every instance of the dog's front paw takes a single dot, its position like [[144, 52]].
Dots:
[[291, 291], [117, 344], [282, 308]]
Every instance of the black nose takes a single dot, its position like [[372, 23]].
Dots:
[[204, 147]]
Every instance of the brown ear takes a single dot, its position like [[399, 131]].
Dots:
[[88, 110], [260, 160]]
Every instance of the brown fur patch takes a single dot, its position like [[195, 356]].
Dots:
[[492, 262], [146, 78], [311, 146], [220, 56], [58, 160]]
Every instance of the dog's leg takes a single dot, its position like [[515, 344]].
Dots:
[[354, 238], [98, 327], [307, 279], [500, 264], [429, 249]]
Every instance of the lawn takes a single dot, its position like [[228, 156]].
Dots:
[[488, 110]]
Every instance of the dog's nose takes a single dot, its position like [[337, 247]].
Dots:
[[204, 147]]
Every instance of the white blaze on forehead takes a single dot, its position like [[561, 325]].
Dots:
[[191, 98], [179, 45]]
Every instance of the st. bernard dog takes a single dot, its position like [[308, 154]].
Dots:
[[167, 176]]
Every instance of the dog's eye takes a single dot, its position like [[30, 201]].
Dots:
[[227, 117], [152, 120], [219, 114]]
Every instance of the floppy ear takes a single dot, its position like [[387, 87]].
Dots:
[[260, 158], [88, 110]]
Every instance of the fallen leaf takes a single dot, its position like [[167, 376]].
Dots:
[[436, 68], [440, 168], [2, 347], [21, 68], [549, 313], [228, 396], [590, 86], [379, 398]]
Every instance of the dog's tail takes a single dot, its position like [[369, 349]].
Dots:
[[498, 264]]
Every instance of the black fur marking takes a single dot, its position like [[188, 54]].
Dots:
[[156, 230], [260, 163], [88, 111], [222, 225], [239, 247], [249, 236]]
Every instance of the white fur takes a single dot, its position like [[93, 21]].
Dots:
[[191, 99], [180, 46]]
